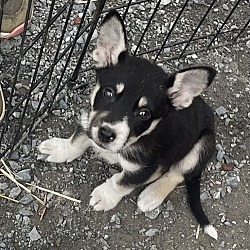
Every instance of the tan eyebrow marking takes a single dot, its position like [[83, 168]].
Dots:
[[143, 102], [119, 88]]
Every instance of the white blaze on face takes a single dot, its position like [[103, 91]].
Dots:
[[121, 130], [134, 139], [119, 88], [143, 102], [93, 95]]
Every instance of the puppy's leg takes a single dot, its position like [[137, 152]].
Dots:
[[154, 194], [65, 150], [107, 195]]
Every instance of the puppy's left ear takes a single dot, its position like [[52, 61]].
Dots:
[[188, 83], [111, 40]]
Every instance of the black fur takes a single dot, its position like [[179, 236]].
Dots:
[[154, 124], [177, 130]]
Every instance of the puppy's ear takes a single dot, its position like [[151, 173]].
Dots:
[[111, 40], [188, 83]]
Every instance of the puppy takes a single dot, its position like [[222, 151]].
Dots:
[[155, 125]]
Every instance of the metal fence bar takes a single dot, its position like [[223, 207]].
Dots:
[[126, 10], [96, 17], [22, 125], [242, 30], [46, 73], [39, 35], [222, 26], [147, 26], [53, 65], [171, 29], [36, 69], [16, 70], [197, 28], [71, 52]]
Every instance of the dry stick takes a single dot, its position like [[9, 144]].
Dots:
[[11, 177], [20, 185], [197, 232], [8, 198], [53, 192]]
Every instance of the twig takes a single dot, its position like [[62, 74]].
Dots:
[[53, 192], [197, 232], [8, 198], [132, 201], [211, 180], [11, 177], [190, 236]]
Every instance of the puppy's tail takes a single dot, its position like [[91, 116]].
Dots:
[[193, 189]]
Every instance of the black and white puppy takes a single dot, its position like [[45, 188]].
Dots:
[[155, 125]]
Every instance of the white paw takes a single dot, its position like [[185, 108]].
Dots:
[[59, 150], [104, 197], [149, 199]]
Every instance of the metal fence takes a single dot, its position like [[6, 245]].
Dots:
[[53, 53]]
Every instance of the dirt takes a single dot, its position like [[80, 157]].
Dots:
[[68, 225]]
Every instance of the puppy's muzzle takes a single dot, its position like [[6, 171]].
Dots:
[[106, 134]]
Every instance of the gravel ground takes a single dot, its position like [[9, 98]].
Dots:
[[63, 224]]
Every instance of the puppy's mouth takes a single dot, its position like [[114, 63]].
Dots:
[[107, 138]]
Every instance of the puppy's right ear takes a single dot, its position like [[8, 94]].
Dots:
[[111, 41]]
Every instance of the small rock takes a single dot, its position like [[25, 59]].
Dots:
[[218, 165], [204, 196], [115, 219], [227, 121], [14, 165], [2, 245], [248, 44], [152, 232], [26, 199], [24, 175], [165, 2], [63, 105], [225, 7], [242, 146], [227, 159], [220, 111], [233, 181], [153, 247], [220, 156], [153, 214], [14, 156], [216, 195], [14, 192], [26, 150], [25, 212], [165, 214], [26, 220], [170, 205], [3, 186], [219, 147], [34, 235]]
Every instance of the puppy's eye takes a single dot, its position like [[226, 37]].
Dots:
[[144, 114], [108, 93]]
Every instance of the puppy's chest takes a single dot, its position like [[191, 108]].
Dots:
[[117, 158]]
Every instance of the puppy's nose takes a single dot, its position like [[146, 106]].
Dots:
[[106, 134]]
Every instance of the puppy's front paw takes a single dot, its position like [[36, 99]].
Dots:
[[57, 150], [149, 199], [104, 197]]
